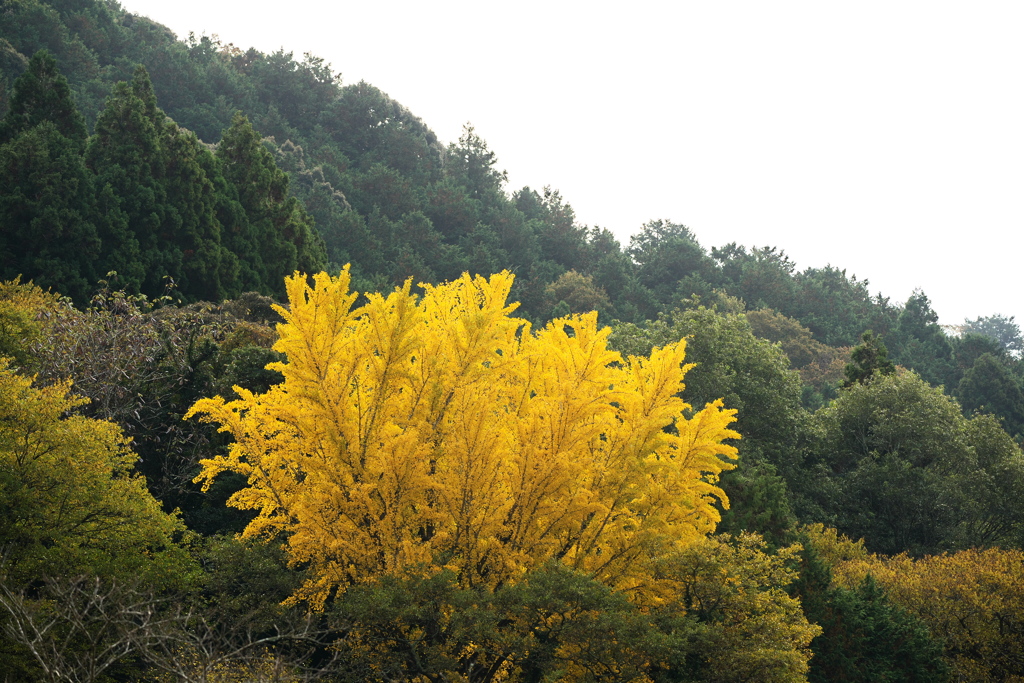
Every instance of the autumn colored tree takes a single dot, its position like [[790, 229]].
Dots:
[[23, 309], [865, 637], [578, 292], [752, 375], [749, 628], [442, 432], [970, 601]]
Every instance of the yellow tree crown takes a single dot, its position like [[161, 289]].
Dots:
[[440, 431]]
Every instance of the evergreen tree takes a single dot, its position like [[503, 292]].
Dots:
[[919, 343], [866, 637], [867, 358], [1002, 329], [280, 237], [125, 154], [42, 94], [989, 387], [47, 208], [206, 269], [168, 219], [665, 253]]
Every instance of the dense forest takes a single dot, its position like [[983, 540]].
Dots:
[[268, 411]]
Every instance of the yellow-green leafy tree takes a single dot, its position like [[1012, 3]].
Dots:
[[440, 432], [24, 308], [972, 600], [71, 503], [749, 628]]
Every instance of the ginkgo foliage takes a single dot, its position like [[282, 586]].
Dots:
[[440, 432]]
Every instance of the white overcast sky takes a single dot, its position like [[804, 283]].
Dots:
[[886, 138]]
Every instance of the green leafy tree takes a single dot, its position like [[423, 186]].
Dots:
[[970, 346], [762, 277], [71, 501], [733, 363], [797, 341], [516, 238], [559, 622], [837, 308], [579, 293], [895, 462], [343, 228], [748, 627], [554, 620], [820, 366]]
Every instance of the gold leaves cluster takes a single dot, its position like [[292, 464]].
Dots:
[[440, 431], [972, 601]]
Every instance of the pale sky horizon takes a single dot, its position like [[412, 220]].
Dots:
[[882, 138]]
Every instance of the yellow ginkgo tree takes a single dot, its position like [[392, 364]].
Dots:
[[440, 432]]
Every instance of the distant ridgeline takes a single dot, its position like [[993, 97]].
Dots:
[[218, 170]]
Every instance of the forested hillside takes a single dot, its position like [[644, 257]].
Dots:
[[212, 469]]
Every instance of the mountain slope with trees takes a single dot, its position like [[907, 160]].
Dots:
[[163, 190]]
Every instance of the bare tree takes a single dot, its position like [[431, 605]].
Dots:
[[78, 628]]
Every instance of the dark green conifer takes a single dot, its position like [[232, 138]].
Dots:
[[47, 208], [47, 205], [125, 154], [192, 235], [280, 237], [989, 387], [42, 94], [157, 172], [866, 637]]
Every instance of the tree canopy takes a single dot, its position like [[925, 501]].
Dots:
[[441, 431]]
